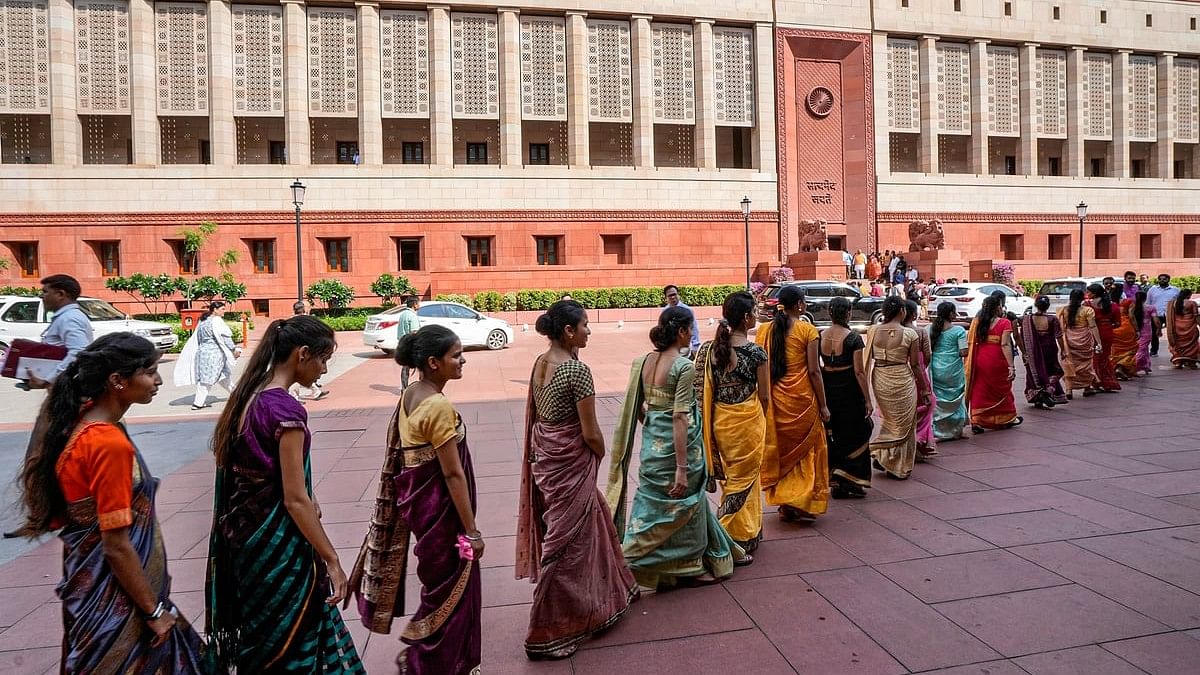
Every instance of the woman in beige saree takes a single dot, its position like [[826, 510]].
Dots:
[[894, 373], [1080, 342]]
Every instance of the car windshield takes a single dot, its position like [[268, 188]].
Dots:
[[1061, 287], [951, 291], [98, 310]]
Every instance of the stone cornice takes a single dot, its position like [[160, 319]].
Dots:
[[1039, 218]]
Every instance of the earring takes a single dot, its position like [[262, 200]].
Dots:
[[120, 386]]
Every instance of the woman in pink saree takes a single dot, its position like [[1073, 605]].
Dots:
[[566, 539], [926, 440], [1143, 315]]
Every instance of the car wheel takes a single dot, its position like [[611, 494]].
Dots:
[[389, 352], [807, 318], [497, 340], [877, 318]]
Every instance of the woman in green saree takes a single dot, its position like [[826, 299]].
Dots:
[[672, 536]]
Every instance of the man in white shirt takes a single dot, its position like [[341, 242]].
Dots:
[[1160, 296]]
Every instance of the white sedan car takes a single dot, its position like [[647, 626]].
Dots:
[[25, 317], [472, 328], [968, 299]]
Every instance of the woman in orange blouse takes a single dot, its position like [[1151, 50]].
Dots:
[[84, 475]]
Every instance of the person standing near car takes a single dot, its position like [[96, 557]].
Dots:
[[408, 322], [860, 264], [671, 295], [1160, 296], [69, 328]]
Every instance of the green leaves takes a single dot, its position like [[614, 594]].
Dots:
[[331, 292], [389, 287]]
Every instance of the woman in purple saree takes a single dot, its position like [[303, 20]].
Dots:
[[427, 494], [566, 540], [1040, 334]]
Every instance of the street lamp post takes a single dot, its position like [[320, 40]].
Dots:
[[746, 221], [298, 200], [1081, 211]]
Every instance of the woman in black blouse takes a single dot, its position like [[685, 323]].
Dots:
[[843, 369]]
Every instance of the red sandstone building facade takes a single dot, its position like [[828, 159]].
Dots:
[[474, 147]]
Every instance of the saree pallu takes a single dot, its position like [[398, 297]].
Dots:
[[1144, 337], [1124, 344], [949, 384], [989, 391], [1077, 362], [926, 439], [1185, 342], [849, 429], [735, 434], [267, 587], [1102, 363], [1043, 374], [895, 448], [583, 585], [103, 632]]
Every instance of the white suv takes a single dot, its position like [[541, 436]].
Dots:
[[22, 317]]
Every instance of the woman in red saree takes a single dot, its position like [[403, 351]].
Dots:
[[1108, 319], [990, 370], [1182, 333], [566, 539]]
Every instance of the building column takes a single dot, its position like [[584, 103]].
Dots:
[[1164, 147], [578, 119], [295, 85], [222, 133], [1120, 113], [1027, 151], [1075, 155], [65, 132], [370, 94], [763, 135], [705, 145], [510, 86], [143, 83], [883, 131], [441, 116], [981, 108], [927, 54], [643, 91]]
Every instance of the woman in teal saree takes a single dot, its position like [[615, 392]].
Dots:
[[672, 537]]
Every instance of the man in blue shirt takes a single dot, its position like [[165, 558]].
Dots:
[[671, 295], [69, 327], [1160, 296], [408, 322]]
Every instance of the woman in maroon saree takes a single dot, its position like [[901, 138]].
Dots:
[[1108, 318], [566, 540], [1040, 334]]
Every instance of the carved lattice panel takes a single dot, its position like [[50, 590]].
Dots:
[[674, 73], [1142, 93], [257, 60], [610, 71], [1187, 100], [332, 62], [1097, 96], [1050, 97], [733, 76], [181, 58], [102, 56], [543, 68], [1004, 91], [24, 56], [404, 58], [954, 88], [904, 85], [475, 63]]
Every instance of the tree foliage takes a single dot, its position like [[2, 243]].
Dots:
[[390, 287], [331, 292]]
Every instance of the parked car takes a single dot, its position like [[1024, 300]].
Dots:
[[24, 317], [1059, 290], [968, 299], [864, 311], [472, 328]]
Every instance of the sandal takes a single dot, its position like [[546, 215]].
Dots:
[[556, 655], [1015, 423], [746, 561], [976, 429]]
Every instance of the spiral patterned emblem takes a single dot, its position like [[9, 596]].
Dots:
[[819, 101]]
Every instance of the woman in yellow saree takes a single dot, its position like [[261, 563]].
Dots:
[[795, 469], [735, 389]]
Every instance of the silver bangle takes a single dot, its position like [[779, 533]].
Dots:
[[478, 536], [159, 610]]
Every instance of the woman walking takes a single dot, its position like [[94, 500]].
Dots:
[[426, 497], [566, 541], [274, 580], [947, 375], [1143, 317], [1108, 318], [1080, 342], [207, 357], [735, 396], [848, 432], [83, 474], [1125, 338], [1041, 334], [990, 369], [1182, 333], [795, 473], [893, 369], [672, 538], [926, 439]]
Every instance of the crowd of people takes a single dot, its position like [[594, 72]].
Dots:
[[782, 414]]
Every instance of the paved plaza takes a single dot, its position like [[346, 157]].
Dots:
[[1068, 545]]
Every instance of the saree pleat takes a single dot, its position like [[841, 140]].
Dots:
[[989, 391], [1043, 373], [895, 448], [1124, 343], [948, 380], [103, 631], [1185, 336], [1145, 336], [1102, 363], [1081, 344], [738, 435], [926, 439], [849, 429]]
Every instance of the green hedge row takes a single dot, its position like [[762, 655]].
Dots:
[[1034, 286], [592, 298]]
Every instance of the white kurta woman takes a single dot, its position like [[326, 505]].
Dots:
[[208, 356]]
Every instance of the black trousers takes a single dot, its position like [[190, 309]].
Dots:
[[1155, 331]]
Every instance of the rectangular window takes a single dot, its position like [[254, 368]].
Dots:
[[477, 153], [1010, 165], [1013, 246], [337, 255], [1150, 246], [1137, 168], [110, 258], [539, 153], [549, 250], [1191, 245], [205, 152], [1055, 166], [958, 5], [347, 152], [1106, 246], [1192, 24], [1056, 14], [408, 252], [1179, 169], [1008, 9], [1104, 16], [263, 253], [1097, 167], [479, 252], [278, 152], [261, 307], [1060, 246], [26, 254], [1149, 21], [413, 152], [189, 263], [904, 3], [618, 248]]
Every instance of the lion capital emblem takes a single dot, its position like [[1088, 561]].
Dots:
[[926, 235], [813, 235]]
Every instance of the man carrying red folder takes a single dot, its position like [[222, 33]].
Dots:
[[70, 328]]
